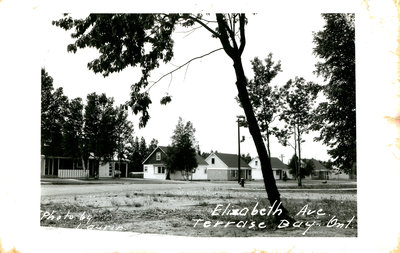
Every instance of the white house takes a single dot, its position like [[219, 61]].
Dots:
[[278, 167], [154, 166], [225, 167]]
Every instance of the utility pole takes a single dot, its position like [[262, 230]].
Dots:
[[240, 117]]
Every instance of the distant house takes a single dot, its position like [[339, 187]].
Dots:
[[225, 167], [319, 171], [279, 168], [154, 166], [67, 167]]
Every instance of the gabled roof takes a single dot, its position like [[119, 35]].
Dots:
[[200, 160], [317, 165], [276, 163], [164, 149], [231, 160]]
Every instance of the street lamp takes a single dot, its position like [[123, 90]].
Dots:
[[240, 119]]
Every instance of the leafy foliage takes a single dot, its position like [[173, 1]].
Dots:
[[297, 99], [53, 106], [247, 158], [74, 145], [100, 126], [264, 99], [144, 41], [336, 119], [124, 40], [181, 155], [123, 132], [139, 151], [306, 167]]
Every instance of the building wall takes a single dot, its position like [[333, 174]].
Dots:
[[42, 164], [104, 170], [217, 162], [151, 171], [256, 169], [201, 173], [342, 176], [217, 174], [257, 173]]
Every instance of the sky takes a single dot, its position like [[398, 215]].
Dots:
[[204, 91]]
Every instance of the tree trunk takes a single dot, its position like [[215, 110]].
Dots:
[[228, 40], [268, 146], [298, 143], [266, 168]]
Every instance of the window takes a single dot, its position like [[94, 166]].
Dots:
[[212, 160], [278, 172], [158, 156], [256, 163], [161, 170], [110, 169], [233, 173], [249, 172], [145, 168], [205, 170]]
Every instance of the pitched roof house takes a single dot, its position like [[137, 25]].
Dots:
[[225, 167], [280, 169], [319, 170], [154, 166]]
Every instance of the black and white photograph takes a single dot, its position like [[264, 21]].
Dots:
[[210, 126], [200, 125]]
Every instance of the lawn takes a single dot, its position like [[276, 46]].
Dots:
[[207, 210]]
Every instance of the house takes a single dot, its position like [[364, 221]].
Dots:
[[67, 167], [154, 166], [279, 168], [319, 170], [225, 167]]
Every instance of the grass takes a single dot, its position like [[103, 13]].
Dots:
[[155, 209]]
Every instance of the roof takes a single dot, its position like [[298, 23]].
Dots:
[[231, 160], [200, 160], [277, 163], [317, 165]]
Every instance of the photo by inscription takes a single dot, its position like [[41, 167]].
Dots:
[[254, 133]]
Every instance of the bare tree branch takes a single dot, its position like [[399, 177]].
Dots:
[[205, 26], [224, 35], [179, 67]]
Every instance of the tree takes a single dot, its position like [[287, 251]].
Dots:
[[73, 141], [153, 145], [135, 157], [100, 128], [53, 106], [293, 165], [336, 118], [247, 158], [297, 99], [122, 40], [123, 133], [306, 167], [181, 155], [264, 98]]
